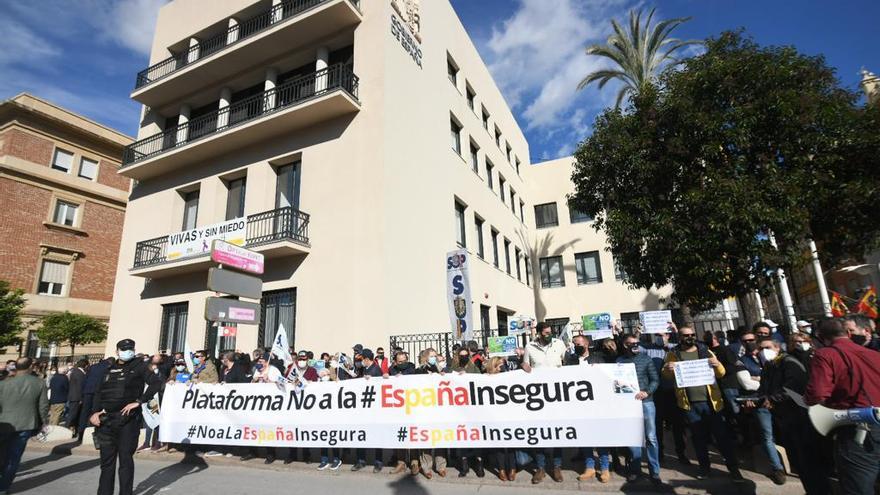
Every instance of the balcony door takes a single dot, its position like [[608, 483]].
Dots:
[[287, 196], [235, 198], [190, 210]]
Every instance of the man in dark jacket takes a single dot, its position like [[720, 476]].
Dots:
[[76, 378], [94, 375], [368, 369], [231, 371], [59, 386], [649, 380], [581, 356]]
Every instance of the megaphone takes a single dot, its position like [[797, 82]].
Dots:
[[825, 419]]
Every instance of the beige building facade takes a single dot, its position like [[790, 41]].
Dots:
[[358, 142]]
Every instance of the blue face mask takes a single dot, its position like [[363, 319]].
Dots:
[[258, 366], [127, 355], [197, 361], [432, 360]]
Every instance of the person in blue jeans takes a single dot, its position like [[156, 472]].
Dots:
[[24, 410], [649, 380], [329, 459], [590, 464]]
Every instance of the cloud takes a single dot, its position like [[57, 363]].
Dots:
[[537, 58], [22, 46]]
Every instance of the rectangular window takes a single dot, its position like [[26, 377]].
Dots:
[[459, 224], [619, 274], [485, 119], [507, 255], [455, 133], [88, 169], [502, 322], [484, 318], [545, 215], [589, 271], [557, 324], [490, 178], [173, 332], [495, 248], [516, 258], [214, 342], [528, 271], [551, 272], [501, 183], [497, 137], [190, 210], [478, 231], [577, 216], [522, 216], [277, 308], [471, 95], [53, 277], [517, 165], [287, 186], [513, 201], [65, 213], [235, 198], [475, 162], [509, 153], [452, 72], [63, 160]]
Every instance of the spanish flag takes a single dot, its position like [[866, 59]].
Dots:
[[868, 303], [838, 308]]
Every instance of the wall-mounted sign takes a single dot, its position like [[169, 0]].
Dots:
[[234, 283], [230, 255], [231, 311], [198, 241], [410, 45]]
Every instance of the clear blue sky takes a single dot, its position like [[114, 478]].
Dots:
[[84, 54]]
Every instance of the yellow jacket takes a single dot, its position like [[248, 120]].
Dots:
[[681, 396]]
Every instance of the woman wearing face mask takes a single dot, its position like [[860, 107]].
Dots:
[[428, 458], [464, 364], [800, 347], [505, 458]]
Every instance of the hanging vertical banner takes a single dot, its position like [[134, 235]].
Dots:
[[458, 294]]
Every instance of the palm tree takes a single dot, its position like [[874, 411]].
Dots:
[[639, 54]]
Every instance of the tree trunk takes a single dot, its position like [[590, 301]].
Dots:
[[72, 350], [748, 308]]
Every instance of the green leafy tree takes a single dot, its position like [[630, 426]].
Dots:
[[638, 55], [733, 144], [71, 328], [12, 301]]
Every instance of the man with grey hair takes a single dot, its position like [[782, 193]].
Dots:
[[24, 410]]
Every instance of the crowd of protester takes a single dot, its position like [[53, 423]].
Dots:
[[757, 399]]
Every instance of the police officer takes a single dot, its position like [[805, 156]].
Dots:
[[116, 414]]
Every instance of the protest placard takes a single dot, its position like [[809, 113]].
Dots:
[[597, 325], [693, 373], [655, 321], [626, 380], [570, 406], [502, 346]]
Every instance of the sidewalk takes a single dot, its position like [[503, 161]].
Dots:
[[680, 480]]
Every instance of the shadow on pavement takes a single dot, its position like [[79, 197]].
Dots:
[[157, 481], [407, 485], [39, 480]]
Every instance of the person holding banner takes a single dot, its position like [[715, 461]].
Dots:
[[545, 351], [505, 458], [649, 380], [429, 458], [701, 405], [369, 368], [581, 356], [464, 364]]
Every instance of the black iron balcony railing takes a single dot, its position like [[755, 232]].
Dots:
[[335, 77], [245, 29], [281, 224]]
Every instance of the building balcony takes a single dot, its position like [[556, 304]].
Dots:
[[306, 100], [274, 233], [284, 28]]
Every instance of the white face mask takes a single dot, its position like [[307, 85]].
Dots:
[[302, 364], [805, 346], [180, 367], [769, 354], [325, 378]]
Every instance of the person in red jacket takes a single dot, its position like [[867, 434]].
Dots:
[[382, 361]]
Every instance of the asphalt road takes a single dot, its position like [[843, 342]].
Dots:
[[45, 473]]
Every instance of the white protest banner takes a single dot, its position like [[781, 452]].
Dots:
[[597, 326], [655, 321], [197, 241], [280, 347], [626, 380], [458, 294], [572, 406], [502, 346], [694, 373]]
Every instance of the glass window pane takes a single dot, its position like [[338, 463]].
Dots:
[[63, 160], [190, 210], [88, 169]]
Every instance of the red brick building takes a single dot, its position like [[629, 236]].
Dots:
[[63, 206]]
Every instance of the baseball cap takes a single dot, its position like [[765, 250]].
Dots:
[[125, 345], [302, 355], [367, 354], [771, 323], [357, 348]]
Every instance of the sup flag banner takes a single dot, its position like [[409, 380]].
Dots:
[[280, 347], [458, 294], [549, 407]]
